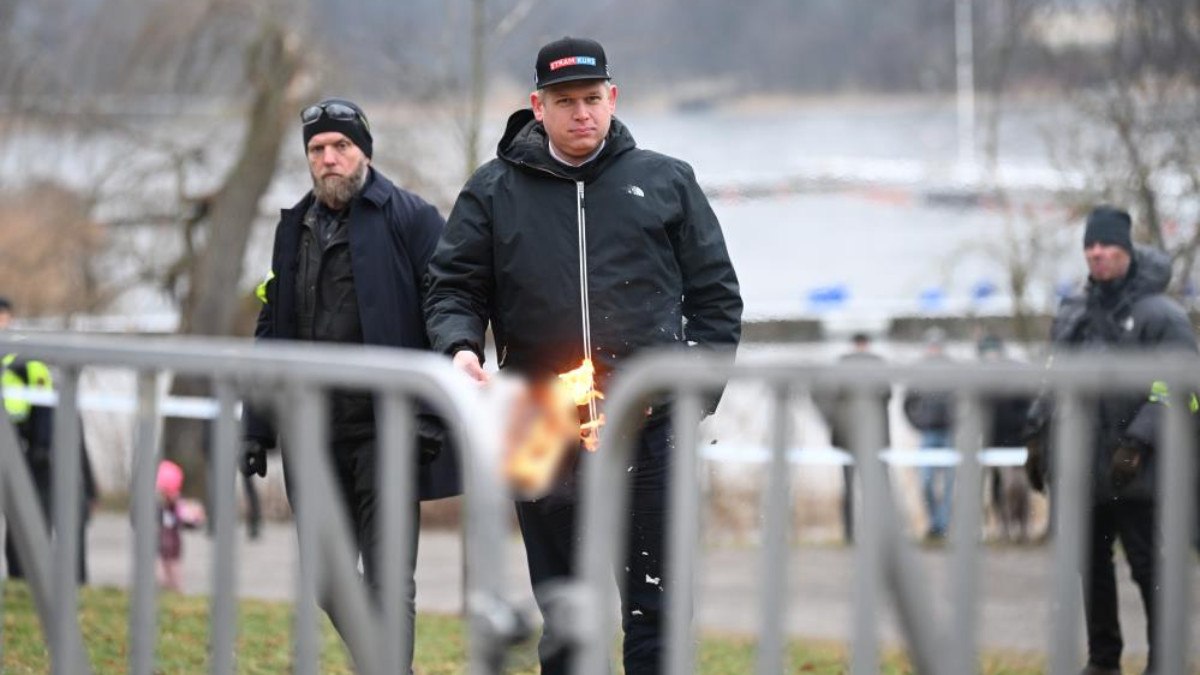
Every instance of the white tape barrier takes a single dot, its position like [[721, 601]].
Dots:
[[192, 407], [731, 453], [196, 407]]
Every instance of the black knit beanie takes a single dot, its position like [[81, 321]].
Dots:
[[358, 130], [1108, 225]]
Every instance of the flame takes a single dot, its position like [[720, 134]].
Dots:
[[580, 386], [545, 427]]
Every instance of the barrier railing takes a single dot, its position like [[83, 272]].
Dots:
[[883, 558], [291, 379]]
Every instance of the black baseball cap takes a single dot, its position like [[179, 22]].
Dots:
[[570, 59]]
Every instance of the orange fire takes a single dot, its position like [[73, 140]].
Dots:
[[545, 427]]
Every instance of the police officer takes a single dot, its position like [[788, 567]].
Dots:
[[35, 427], [1121, 309]]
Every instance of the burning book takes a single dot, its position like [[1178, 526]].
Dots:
[[546, 427]]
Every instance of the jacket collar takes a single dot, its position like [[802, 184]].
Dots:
[[525, 144]]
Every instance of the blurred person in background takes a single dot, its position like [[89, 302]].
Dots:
[[1122, 309], [646, 267], [834, 406], [1009, 486], [346, 268], [34, 424], [930, 412]]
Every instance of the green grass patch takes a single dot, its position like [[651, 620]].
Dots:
[[264, 642]]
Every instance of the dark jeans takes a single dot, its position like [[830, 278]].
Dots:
[[357, 481], [548, 528], [1133, 523]]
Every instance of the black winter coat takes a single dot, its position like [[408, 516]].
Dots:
[[392, 235], [1129, 316], [510, 255]]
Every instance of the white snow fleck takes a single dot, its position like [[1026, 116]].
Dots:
[[653, 580], [636, 612]]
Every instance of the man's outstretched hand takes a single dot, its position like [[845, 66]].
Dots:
[[467, 361]]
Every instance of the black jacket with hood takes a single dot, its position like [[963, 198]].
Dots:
[[655, 257], [1129, 315], [392, 233]]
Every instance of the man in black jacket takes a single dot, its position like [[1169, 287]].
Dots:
[[575, 243], [1123, 308], [347, 268]]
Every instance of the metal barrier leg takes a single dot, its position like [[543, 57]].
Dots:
[[143, 619], [223, 622], [1072, 531], [968, 516], [777, 507], [869, 546], [327, 570], [683, 548], [605, 509], [492, 621], [1176, 527], [396, 456], [306, 438], [66, 655]]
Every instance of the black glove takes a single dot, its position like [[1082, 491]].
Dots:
[[254, 458], [1126, 461], [1035, 462], [431, 436]]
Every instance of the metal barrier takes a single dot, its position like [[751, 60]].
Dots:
[[291, 378], [294, 377], [883, 558]]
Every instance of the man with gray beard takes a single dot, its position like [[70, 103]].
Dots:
[[347, 267]]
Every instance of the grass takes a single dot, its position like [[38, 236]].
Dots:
[[264, 634]]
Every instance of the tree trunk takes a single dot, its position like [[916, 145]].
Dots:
[[211, 305]]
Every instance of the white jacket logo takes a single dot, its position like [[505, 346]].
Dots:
[[635, 191]]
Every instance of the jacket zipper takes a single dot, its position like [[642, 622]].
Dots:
[[584, 300]]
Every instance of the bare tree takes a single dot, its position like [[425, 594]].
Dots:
[[1142, 149]]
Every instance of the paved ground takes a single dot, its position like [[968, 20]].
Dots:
[[1014, 582]]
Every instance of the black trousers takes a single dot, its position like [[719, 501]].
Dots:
[[356, 479], [548, 527], [43, 488], [253, 506], [1133, 522]]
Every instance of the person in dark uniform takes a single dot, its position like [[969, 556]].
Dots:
[[35, 429]]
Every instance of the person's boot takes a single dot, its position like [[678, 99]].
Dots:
[[1093, 669]]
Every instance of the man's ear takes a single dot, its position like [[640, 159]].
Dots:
[[535, 102]]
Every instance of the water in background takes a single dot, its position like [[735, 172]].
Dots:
[[862, 253]]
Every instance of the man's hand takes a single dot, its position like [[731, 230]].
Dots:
[[1035, 462], [468, 362], [254, 458], [1126, 461]]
